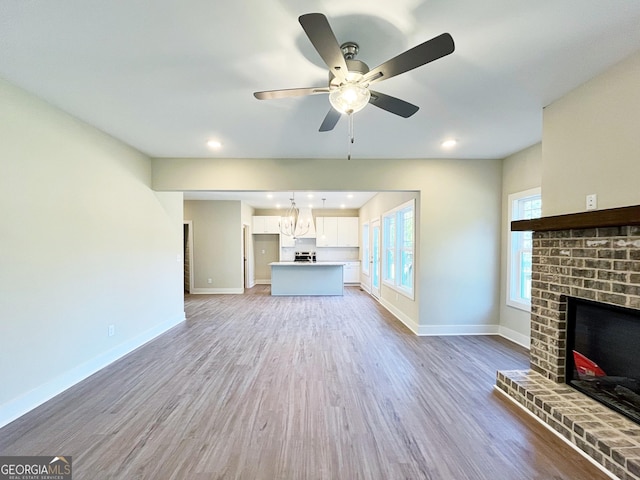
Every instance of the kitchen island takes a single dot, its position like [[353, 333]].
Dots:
[[307, 278]]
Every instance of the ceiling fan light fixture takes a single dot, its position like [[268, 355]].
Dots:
[[349, 98]]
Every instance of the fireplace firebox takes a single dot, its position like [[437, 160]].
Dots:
[[603, 354]]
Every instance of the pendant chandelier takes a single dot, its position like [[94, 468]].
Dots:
[[291, 224]]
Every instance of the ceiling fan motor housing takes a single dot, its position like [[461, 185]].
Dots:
[[356, 70]]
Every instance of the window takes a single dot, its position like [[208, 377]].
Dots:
[[398, 240], [365, 249], [522, 206]]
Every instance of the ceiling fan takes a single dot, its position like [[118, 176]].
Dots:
[[350, 79]]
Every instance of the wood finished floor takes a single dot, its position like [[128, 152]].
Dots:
[[259, 387]]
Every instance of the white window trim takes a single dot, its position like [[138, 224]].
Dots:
[[526, 306], [409, 293]]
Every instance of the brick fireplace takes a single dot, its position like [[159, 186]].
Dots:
[[593, 256]]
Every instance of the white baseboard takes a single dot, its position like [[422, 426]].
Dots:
[[263, 281], [516, 337], [450, 330], [409, 322], [17, 407], [217, 291], [444, 330]]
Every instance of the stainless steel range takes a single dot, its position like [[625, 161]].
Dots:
[[305, 257]]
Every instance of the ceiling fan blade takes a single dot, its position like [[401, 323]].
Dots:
[[392, 104], [317, 28], [291, 92], [426, 52], [330, 120]]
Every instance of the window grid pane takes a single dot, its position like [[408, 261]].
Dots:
[[524, 208], [398, 247]]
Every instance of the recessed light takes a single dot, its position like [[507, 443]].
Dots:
[[343, 206], [450, 143], [269, 195], [214, 144], [350, 195]]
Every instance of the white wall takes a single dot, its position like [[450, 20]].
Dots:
[[520, 171], [459, 260], [84, 243], [591, 143]]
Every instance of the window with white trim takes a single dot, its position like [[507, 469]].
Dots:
[[398, 244], [522, 206]]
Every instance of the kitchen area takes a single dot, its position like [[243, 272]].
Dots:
[[298, 253], [232, 238]]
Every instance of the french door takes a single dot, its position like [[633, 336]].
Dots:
[[375, 258]]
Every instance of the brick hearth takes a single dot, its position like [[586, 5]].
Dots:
[[601, 264]]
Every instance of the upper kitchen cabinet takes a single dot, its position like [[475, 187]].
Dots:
[[348, 231], [326, 231], [337, 231], [266, 224]]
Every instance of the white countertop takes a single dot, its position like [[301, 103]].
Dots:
[[306, 264]]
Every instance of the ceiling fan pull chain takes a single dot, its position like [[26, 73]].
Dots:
[[351, 135]]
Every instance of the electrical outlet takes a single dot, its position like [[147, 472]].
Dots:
[[112, 330], [209, 280], [592, 201]]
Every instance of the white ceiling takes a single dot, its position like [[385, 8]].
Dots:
[[167, 76]]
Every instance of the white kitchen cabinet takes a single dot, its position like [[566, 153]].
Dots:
[[326, 231], [266, 224], [337, 231], [348, 229], [352, 272]]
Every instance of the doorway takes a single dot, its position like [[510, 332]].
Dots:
[[187, 255], [247, 283]]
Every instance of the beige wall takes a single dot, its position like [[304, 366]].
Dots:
[[247, 223], [84, 243], [217, 245], [458, 270], [591, 143], [266, 249], [520, 171]]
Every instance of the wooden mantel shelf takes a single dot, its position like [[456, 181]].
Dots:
[[613, 217]]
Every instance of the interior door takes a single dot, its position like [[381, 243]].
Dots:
[[375, 258]]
